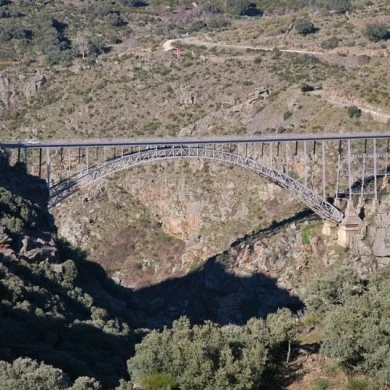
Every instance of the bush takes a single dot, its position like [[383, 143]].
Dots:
[[28, 374], [196, 25], [238, 7], [354, 112], [355, 316], [376, 32], [13, 32], [287, 115], [218, 23], [304, 26], [338, 6], [204, 356], [330, 43], [322, 384]]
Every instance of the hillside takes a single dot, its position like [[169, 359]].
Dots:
[[64, 324]]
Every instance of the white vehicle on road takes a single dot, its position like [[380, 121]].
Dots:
[[32, 141]]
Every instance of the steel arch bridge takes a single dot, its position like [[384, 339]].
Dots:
[[71, 185]]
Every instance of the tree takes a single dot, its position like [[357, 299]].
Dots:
[[27, 374], [356, 320], [304, 26], [354, 112], [376, 32], [202, 357], [338, 6], [282, 327], [82, 43], [324, 294], [238, 6], [85, 383]]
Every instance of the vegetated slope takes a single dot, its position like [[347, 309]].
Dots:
[[67, 314], [119, 89], [123, 90], [71, 324], [47, 313]]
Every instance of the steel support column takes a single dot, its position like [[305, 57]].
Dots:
[[349, 169], [363, 175], [287, 158], [305, 162], [48, 169], [68, 163], [375, 172], [40, 163], [323, 170], [338, 173], [26, 158], [86, 158]]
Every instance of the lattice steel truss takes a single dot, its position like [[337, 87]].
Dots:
[[67, 187]]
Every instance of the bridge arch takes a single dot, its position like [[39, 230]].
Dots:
[[68, 187]]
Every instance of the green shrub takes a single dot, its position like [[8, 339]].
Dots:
[[376, 32], [238, 7], [354, 112], [360, 384], [322, 384], [287, 115], [217, 23], [354, 313], [330, 43], [13, 32], [305, 235], [204, 356], [304, 26], [196, 25], [338, 6], [28, 374]]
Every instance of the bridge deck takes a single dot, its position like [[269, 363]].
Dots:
[[101, 142]]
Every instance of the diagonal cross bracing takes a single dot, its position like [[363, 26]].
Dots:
[[66, 188]]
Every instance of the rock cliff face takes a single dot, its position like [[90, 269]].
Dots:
[[15, 89], [161, 221], [204, 206], [296, 252]]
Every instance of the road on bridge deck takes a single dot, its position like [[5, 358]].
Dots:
[[255, 138]]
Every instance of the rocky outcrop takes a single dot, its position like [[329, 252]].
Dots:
[[7, 92], [32, 86], [13, 90], [378, 233], [39, 248]]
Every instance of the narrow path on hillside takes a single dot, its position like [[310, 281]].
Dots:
[[167, 45], [377, 114]]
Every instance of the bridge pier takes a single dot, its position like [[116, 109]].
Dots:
[[349, 226], [374, 206], [328, 228]]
